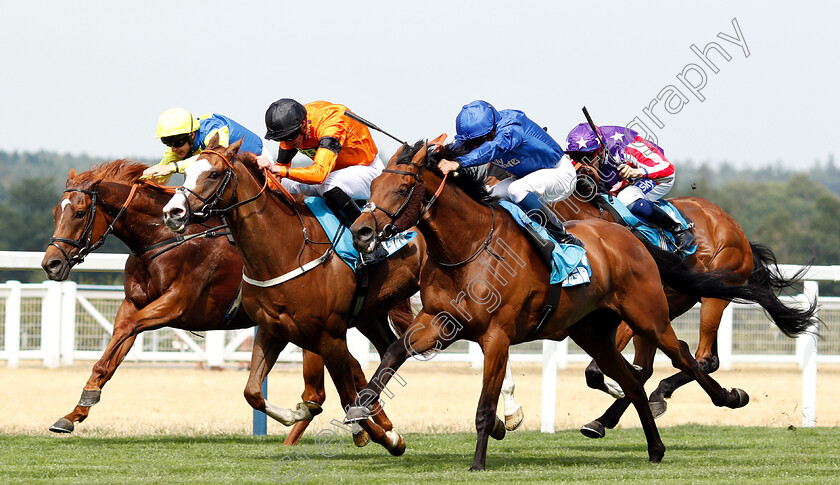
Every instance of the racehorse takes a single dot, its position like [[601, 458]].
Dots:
[[722, 246], [477, 252], [276, 237], [186, 282]]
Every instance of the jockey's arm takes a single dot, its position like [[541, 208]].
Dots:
[[649, 162], [507, 138], [330, 141]]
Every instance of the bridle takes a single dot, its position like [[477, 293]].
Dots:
[[400, 220], [83, 243]]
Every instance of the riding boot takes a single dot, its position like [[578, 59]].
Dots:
[[541, 214], [347, 212], [654, 214]]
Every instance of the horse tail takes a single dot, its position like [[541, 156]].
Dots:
[[766, 272], [723, 285], [401, 316]]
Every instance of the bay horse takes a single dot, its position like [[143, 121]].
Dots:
[[722, 246], [483, 282], [186, 282], [276, 237]]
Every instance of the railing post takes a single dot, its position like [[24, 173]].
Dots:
[[12, 337], [214, 341], [67, 345], [359, 347], [725, 338], [809, 362], [476, 356], [549, 386], [51, 324]]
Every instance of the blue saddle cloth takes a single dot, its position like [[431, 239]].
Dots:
[[569, 264], [654, 234], [344, 243]]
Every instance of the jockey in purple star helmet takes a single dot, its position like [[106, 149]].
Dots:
[[632, 168]]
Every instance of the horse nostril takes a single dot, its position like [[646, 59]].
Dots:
[[176, 212], [53, 264], [364, 233]]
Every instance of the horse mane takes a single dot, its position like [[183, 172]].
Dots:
[[120, 171], [473, 180], [249, 161]]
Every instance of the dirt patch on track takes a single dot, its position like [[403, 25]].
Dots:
[[437, 397]]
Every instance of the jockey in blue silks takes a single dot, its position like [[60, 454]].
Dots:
[[510, 140]]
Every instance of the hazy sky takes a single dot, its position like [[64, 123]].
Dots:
[[93, 76]]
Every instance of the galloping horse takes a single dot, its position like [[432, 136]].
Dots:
[[312, 309], [477, 252], [722, 246], [186, 282]]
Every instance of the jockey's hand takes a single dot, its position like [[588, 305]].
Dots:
[[628, 172], [264, 162], [447, 166], [158, 171]]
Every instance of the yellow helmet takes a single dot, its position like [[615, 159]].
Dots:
[[176, 121]]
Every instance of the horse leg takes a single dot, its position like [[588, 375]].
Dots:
[[341, 364], [662, 335], [711, 312], [422, 336], [590, 334], [594, 376], [313, 393], [263, 356], [102, 371], [513, 411], [495, 346]]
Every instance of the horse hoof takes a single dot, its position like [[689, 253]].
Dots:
[[658, 408], [314, 408], [63, 425], [397, 443], [356, 413], [593, 430], [514, 421], [498, 432], [743, 398], [361, 438]]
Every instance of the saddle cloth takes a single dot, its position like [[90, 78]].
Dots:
[[654, 234], [569, 265], [342, 239]]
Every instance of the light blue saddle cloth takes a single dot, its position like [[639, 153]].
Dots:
[[569, 264], [344, 243], [654, 234]]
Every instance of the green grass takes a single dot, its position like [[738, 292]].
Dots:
[[695, 454]]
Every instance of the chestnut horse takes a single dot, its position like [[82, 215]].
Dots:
[[477, 252], [722, 246], [186, 283], [278, 238]]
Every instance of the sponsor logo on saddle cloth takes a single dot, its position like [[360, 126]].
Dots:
[[341, 237], [569, 264]]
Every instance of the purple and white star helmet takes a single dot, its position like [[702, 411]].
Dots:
[[582, 139]]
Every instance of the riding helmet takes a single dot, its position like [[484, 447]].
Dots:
[[283, 118]]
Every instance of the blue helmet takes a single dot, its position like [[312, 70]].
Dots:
[[475, 119]]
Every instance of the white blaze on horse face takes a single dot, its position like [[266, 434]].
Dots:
[[64, 204], [194, 171]]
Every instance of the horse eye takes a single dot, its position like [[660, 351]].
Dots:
[[80, 214], [402, 191], [214, 175]]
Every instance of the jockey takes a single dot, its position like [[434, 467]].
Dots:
[[511, 141], [342, 150], [186, 136], [636, 171]]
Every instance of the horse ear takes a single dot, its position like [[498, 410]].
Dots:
[[214, 141], [397, 154], [441, 140], [71, 175], [418, 157], [233, 148]]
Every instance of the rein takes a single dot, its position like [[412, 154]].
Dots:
[[392, 229], [86, 247]]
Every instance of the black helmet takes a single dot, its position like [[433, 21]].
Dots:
[[283, 119]]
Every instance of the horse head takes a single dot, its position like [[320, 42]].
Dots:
[[79, 226], [207, 187]]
